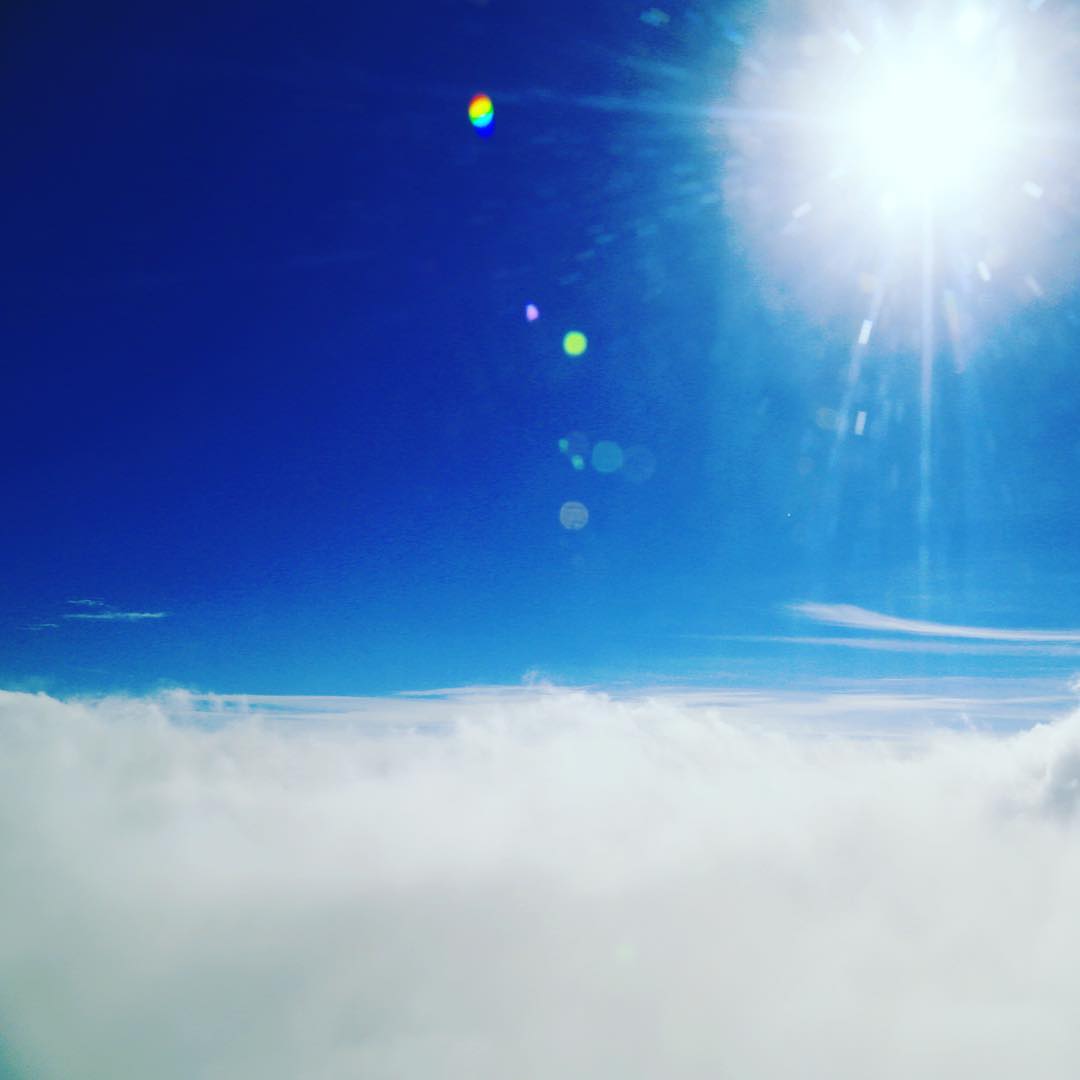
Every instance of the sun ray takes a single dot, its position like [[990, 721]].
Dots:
[[907, 175]]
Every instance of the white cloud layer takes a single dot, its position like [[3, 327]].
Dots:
[[532, 885]]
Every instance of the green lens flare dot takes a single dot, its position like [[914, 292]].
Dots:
[[575, 343]]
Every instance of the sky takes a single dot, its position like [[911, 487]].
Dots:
[[588, 595], [269, 376]]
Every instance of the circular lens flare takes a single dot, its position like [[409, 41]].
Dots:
[[481, 111], [575, 343]]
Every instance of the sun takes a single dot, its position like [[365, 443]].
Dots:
[[861, 155], [936, 114], [928, 127]]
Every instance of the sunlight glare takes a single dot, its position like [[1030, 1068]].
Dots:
[[927, 125], [920, 149]]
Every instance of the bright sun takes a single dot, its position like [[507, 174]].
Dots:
[[931, 118], [928, 130], [910, 139]]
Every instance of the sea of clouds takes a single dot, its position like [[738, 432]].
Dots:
[[540, 884]]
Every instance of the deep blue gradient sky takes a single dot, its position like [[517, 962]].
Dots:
[[267, 370]]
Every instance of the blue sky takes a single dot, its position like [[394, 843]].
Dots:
[[269, 381]]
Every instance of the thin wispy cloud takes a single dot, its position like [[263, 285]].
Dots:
[[888, 708], [116, 616], [94, 610], [553, 883], [939, 647], [857, 618]]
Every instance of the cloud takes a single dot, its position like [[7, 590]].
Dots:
[[944, 648], [858, 618], [116, 616], [531, 883], [87, 603], [43, 626]]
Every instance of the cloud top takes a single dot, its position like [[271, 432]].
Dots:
[[534, 884]]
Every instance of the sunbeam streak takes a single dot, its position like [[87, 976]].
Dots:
[[906, 175]]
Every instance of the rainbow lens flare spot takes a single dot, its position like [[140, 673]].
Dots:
[[532, 312], [481, 111], [575, 343]]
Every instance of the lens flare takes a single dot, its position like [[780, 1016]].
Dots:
[[575, 343], [607, 456], [481, 111], [573, 516]]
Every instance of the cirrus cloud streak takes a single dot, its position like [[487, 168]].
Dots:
[[115, 616], [857, 618]]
